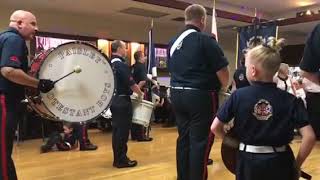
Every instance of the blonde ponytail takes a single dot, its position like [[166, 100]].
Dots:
[[267, 55]]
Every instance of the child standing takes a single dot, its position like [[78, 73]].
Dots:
[[264, 119]]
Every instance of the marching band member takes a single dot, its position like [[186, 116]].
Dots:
[[14, 65], [198, 70], [121, 107]]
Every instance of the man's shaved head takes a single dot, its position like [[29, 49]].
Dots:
[[25, 22]]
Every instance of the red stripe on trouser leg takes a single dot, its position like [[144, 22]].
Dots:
[[84, 136], [211, 137], [4, 161]]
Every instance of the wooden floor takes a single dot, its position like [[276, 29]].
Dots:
[[156, 160]]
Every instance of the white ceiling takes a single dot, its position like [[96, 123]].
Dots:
[[109, 9]]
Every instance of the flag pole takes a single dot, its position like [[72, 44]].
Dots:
[[214, 28], [237, 50]]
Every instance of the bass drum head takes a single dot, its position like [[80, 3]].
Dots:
[[80, 96]]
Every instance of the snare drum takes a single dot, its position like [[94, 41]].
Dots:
[[78, 97], [142, 111]]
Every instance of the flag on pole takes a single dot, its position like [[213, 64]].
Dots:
[[258, 32], [152, 65], [214, 29]]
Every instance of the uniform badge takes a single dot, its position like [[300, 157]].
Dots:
[[241, 77], [262, 110]]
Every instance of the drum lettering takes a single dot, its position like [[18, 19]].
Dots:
[[100, 103], [65, 110], [85, 112], [103, 97], [92, 109], [108, 85], [72, 111], [68, 52], [79, 51], [92, 55], [104, 62], [60, 106], [50, 96], [54, 101], [79, 113], [85, 52], [61, 56], [98, 59], [106, 90], [74, 50]]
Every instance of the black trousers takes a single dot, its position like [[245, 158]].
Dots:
[[275, 166], [313, 108], [10, 111], [121, 109], [194, 110], [138, 132]]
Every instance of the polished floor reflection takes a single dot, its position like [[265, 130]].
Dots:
[[156, 160]]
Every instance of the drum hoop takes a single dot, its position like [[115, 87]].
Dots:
[[108, 61]]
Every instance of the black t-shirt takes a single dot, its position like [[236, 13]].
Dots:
[[139, 72], [124, 79], [240, 77], [264, 114], [13, 53], [311, 55], [196, 61]]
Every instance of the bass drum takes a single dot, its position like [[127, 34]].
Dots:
[[78, 97]]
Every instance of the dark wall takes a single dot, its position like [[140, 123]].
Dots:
[[292, 54]]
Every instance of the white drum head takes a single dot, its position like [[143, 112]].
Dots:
[[80, 96]]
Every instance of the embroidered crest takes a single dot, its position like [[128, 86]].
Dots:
[[15, 59], [262, 110], [241, 77]]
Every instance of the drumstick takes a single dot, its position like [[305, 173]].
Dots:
[[76, 69], [305, 175]]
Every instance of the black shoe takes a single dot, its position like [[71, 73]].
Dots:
[[209, 162], [129, 163], [145, 139], [88, 147]]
